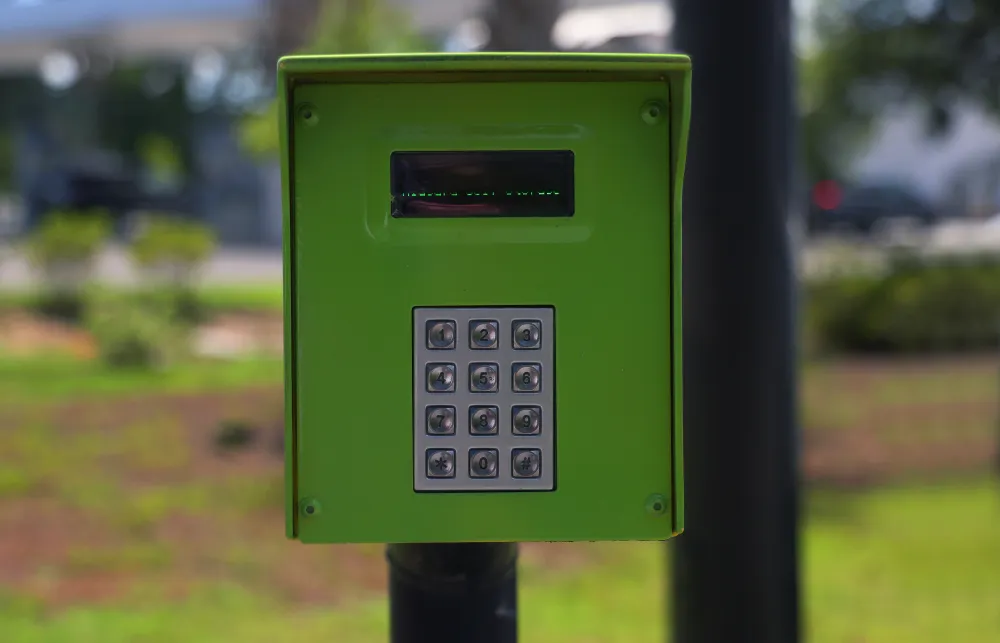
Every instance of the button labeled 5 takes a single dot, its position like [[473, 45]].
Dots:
[[483, 377]]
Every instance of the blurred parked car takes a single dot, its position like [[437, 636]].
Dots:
[[83, 187], [868, 209]]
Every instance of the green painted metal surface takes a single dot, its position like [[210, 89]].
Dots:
[[354, 274]]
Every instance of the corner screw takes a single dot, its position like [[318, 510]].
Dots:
[[653, 112], [308, 113], [656, 504], [309, 507]]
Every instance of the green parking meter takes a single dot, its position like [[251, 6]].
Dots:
[[482, 296]]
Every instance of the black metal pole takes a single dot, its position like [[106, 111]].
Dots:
[[453, 593], [735, 576]]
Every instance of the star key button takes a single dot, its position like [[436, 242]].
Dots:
[[440, 463]]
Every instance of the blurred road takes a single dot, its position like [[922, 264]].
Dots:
[[228, 266], [818, 257]]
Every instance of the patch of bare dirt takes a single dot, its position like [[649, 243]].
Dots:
[[193, 421], [24, 334], [859, 457], [240, 334], [226, 335], [39, 539]]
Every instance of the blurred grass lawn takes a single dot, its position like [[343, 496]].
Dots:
[[913, 564], [910, 564], [58, 378], [265, 297]]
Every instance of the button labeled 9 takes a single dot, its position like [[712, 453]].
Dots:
[[526, 420]]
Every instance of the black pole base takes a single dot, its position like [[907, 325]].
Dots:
[[453, 593]]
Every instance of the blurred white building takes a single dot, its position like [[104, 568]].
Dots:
[[957, 169]]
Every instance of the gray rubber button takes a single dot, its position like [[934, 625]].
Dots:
[[441, 463], [526, 463], [483, 463], [440, 378]]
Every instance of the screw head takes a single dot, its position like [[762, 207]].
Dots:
[[309, 507], [653, 112], [308, 114], [656, 504]]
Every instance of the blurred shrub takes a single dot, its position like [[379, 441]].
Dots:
[[916, 305], [233, 435], [64, 249], [134, 332], [169, 252]]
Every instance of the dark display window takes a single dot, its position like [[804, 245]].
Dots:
[[482, 184]]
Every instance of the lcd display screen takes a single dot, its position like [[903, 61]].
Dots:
[[482, 184]]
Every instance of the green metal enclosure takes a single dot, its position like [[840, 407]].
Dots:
[[482, 296]]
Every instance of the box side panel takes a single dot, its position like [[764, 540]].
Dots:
[[680, 108], [288, 296]]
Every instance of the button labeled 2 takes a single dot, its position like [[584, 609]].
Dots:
[[482, 334]]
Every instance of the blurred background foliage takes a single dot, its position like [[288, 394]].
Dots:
[[871, 54], [351, 26], [141, 417]]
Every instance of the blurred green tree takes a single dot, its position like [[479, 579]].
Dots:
[[937, 54], [131, 113], [344, 26]]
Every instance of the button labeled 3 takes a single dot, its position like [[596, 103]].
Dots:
[[483, 463], [526, 334], [527, 378], [440, 378]]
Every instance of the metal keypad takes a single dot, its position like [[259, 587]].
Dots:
[[484, 399]]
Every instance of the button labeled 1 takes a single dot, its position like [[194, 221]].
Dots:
[[527, 378], [440, 334]]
